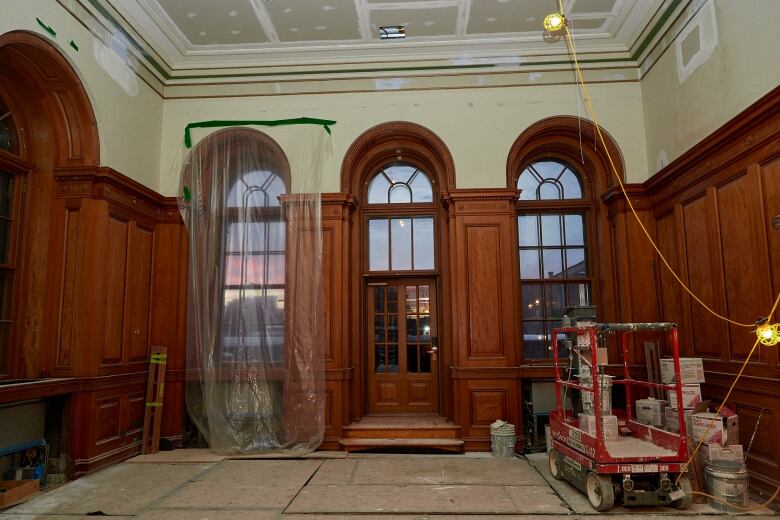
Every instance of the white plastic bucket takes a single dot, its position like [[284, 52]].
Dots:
[[547, 438]]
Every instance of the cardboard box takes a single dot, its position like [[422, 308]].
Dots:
[[731, 452], [691, 371], [15, 491], [691, 395], [651, 411], [609, 422], [724, 431], [672, 422]]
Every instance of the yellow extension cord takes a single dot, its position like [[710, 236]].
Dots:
[[591, 110]]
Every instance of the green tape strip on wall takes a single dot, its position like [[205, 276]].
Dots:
[[325, 123]]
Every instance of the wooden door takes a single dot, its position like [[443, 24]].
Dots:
[[403, 372]]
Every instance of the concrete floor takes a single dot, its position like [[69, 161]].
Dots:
[[196, 484]]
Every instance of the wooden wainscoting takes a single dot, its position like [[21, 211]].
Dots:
[[711, 213]]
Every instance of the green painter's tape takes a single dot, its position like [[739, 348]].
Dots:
[[73, 44], [325, 123], [187, 194], [46, 27]]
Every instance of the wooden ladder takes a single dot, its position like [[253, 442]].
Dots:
[[154, 400]]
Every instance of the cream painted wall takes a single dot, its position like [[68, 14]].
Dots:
[[477, 125], [742, 68], [129, 123]]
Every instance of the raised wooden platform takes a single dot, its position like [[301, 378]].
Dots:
[[402, 431]]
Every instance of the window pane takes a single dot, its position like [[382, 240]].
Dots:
[[533, 301], [421, 188], [559, 340], [255, 237], [6, 192], [378, 250], [528, 230], [400, 193], [529, 264], [549, 191], [401, 244], [380, 365], [379, 299], [575, 230], [552, 263], [578, 294], [5, 237], [377, 189], [411, 330], [392, 328], [554, 300], [576, 264], [257, 189], [425, 330], [423, 243], [548, 169], [425, 299], [5, 331], [260, 269], [533, 340], [551, 230], [425, 361], [571, 185], [379, 328], [252, 326], [400, 173], [527, 184], [9, 140]]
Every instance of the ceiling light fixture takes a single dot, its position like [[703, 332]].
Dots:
[[554, 22], [392, 32]]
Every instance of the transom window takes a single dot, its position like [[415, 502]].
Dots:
[[400, 183], [553, 250], [401, 238]]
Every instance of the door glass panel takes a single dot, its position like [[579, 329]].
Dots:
[[379, 299], [411, 330], [425, 299], [6, 294], [425, 361], [401, 244], [392, 359], [380, 365], [378, 249], [411, 300], [392, 299], [379, 328], [392, 328], [412, 363], [425, 329], [5, 330]]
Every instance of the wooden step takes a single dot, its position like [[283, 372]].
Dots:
[[355, 444], [400, 427]]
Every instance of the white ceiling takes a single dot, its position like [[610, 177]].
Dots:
[[212, 35]]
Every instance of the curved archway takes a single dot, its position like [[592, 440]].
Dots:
[[566, 137], [397, 141], [56, 118]]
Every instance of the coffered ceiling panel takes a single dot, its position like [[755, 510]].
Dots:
[[441, 21], [507, 16], [307, 20], [213, 23]]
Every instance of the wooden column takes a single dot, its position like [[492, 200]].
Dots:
[[484, 306]]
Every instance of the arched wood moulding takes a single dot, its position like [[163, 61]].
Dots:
[[570, 138], [385, 142], [219, 145], [48, 97]]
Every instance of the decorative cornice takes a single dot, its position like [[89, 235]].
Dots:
[[470, 195], [107, 184], [40, 389], [397, 132]]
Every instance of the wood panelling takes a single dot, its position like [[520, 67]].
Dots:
[[67, 315], [107, 419], [712, 211], [483, 275], [114, 296], [139, 293]]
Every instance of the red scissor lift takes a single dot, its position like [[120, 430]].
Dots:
[[643, 463]]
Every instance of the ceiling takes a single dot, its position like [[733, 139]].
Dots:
[[290, 36]]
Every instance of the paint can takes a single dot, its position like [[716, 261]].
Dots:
[[727, 480]]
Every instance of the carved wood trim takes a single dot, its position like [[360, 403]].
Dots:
[[70, 385], [387, 139]]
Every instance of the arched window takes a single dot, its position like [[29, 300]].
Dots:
[[553, 247], [400, 238], [9, 140]]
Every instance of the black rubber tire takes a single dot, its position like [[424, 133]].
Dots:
[[601, 494], [686, 501], [554, 463]]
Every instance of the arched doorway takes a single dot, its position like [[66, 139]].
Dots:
[[53, 127], [398, 173]]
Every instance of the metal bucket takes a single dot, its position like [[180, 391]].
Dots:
[[503, 439], [605, 384], [727, 480]]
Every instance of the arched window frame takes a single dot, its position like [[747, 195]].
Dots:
[[267, 215], [563, 138]]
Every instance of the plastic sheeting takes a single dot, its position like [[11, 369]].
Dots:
[[254, 313]]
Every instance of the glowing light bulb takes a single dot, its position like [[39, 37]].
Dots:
[[553, 22], [769, 335]]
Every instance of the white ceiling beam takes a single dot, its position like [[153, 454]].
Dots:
[[364, 20], [464, 12]]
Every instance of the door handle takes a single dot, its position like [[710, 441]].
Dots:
[[434, 346]]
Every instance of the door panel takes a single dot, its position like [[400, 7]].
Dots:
[[402, 347]]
